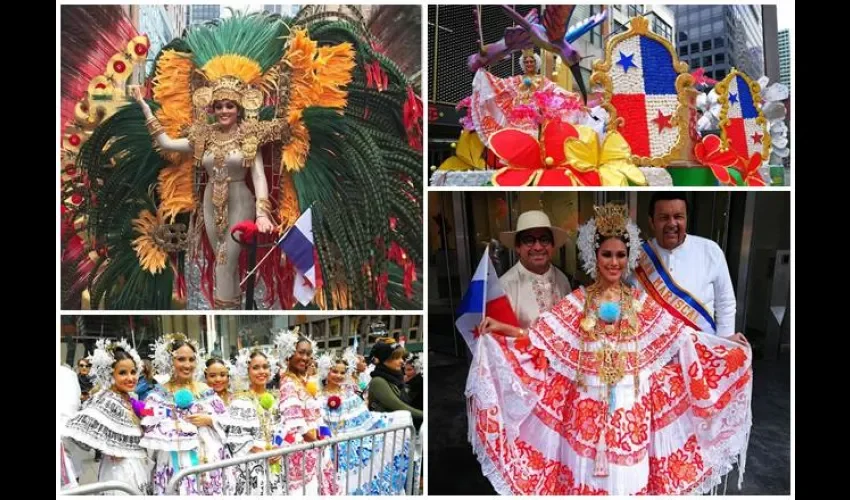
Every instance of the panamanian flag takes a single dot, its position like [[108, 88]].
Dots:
[[745, 136], [644, 95], [298, 246], [484, 297]]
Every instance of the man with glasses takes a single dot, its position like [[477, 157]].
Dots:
[[534, 285]]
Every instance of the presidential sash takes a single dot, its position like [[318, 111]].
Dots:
[[659, 284]]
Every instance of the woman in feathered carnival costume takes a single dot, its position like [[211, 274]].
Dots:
[[178, 178], [608, 393], [109, 422], [346, 414], [301, 420], [254, 423], [184, 421]]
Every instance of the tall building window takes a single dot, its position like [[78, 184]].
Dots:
[[596, 33], [662, 29], [619, 27], [706, 45]]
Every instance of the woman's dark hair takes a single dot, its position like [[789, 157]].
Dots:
[[177, 344], [213, 361], [256, 353], [602, 239], [119, 354]]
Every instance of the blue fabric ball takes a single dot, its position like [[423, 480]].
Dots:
[[609, 312], [183, 398], [526, 81]]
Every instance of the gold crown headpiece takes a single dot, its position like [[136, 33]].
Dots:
[[229, 88], [528, 52], [612, 220]]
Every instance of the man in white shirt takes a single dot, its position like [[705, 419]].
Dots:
[[534, 285], [686, 273]]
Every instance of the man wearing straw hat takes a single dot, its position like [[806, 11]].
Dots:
[[534, 285]]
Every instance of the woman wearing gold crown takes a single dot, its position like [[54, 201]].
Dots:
[[178, 178], [226, 150], [608, 393]]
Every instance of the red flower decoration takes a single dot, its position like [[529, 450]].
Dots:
[[710, 153], [119, 67], [412, 115], [74, 139], [701, 79], [540, 163], [334, 402], [749, 168], [140, 49]]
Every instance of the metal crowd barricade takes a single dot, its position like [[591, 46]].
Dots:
[[96, 488], [408, 435]]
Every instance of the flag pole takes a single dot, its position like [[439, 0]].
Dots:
[[486, 284], [266, 256], [252, 279], [276, 243]]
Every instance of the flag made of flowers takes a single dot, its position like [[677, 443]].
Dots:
[[742, 123], [645, 93]]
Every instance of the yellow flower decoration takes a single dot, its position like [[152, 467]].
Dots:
[[468, 154], [612, 160], [152, 257]]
